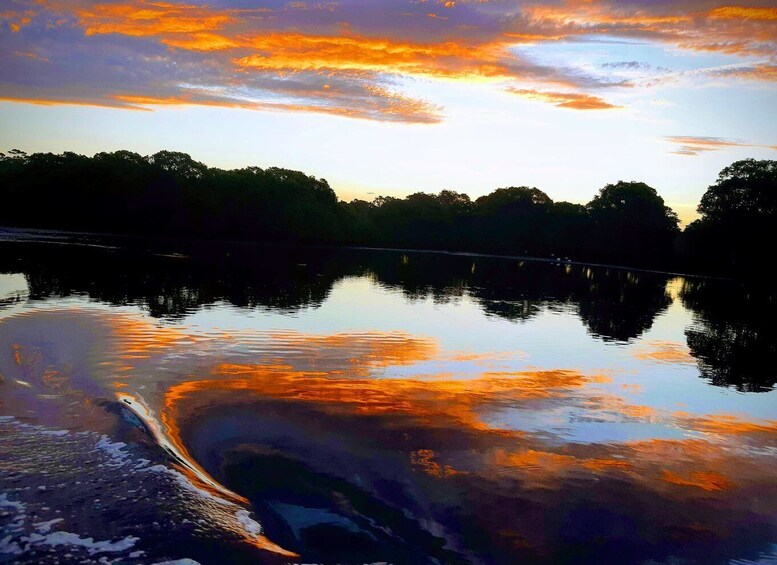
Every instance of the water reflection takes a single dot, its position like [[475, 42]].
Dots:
[[346, 453], [614, 304], [367, 407], [734, 337]]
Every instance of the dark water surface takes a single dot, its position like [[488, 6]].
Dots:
[[194, 402]]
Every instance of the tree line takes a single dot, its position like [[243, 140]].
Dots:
[[171, 194]]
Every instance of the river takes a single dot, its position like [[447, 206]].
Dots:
[[189, 402]]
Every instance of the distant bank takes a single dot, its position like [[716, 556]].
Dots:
[[168, 194]]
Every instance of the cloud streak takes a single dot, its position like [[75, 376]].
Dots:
[[572, 100], [692, 146]]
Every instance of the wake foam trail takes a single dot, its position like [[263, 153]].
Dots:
[[79, 497]]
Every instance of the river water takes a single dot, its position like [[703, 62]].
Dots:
[[174, 402]]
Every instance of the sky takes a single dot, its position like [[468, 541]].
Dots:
[[391, 97]]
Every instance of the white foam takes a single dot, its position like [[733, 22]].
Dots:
[[142, 463], [45, 527], [251, 526], [92, 547], [55, 432], [184, 561], [8, 546], [115, 451], [5, 503], [181, 479]]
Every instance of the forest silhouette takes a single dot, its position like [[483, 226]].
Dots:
[[170, 194]]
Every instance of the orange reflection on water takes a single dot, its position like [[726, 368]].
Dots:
[[733, 425], [138, 338], [363, 351], [448, 400], [434, 404], [708, 481], [17, 353], [343, 376], [613, 404], [543, 469], [423, 459], [665, 352], [439, 402], [691, 465]]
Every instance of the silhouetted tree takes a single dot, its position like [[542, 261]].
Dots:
[[569, 230], [738, 217], [179, 164], [514, 220], [630, 220], [169, 193]]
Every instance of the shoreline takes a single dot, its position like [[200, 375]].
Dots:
[[65, 234]]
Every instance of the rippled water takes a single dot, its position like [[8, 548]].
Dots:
[[163, 401]]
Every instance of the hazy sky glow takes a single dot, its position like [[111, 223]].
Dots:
[[392, 97]]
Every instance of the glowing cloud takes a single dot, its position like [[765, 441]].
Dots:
[[270, 58], [692, 146], [149, 18], [572, 100]]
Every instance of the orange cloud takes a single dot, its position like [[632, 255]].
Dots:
[[364, 351], [439, 403], [572, 100], [734, 29], [31, 55], [297, 52], [762, 71], [201, 41], [55, 101], [266, 50], [191, 27], [378, 104], [692, 146], [613, 404], [17, 19], [595, 13], [150, 18], [744, 13]]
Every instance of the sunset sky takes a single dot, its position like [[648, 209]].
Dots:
[[396, 96]]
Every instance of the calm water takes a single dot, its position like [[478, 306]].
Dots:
[[224, 403]]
